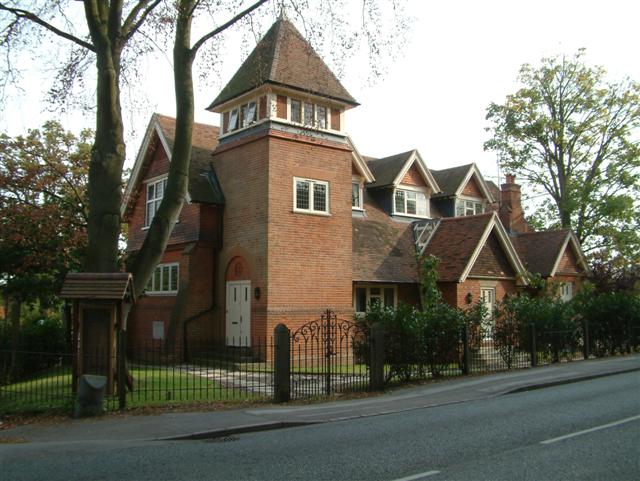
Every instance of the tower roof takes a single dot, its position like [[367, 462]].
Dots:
[[284, 58]]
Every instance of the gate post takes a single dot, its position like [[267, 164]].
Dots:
[[466, 358], [534, 351], [282, 364], [376, 357], [585, 338], [327, 352]]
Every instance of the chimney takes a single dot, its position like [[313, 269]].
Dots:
[[511, 213]]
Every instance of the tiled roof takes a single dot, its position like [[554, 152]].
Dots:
[[283, 57], [454, 242], [383, 248], [105, 286], [539, 250], [449, 180], [385, 170], [202, 187]]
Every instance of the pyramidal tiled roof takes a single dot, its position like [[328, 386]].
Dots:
[[283, 57]]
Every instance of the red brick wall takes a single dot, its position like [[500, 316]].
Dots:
[[472, 189], [413, 177], [492, 261], [309, 261], [455, 294], [187, 228]]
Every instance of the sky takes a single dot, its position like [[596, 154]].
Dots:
[[459, 57]]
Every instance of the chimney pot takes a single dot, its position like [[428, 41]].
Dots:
[[510, 179]]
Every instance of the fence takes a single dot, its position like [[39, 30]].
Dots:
[[323, 357]]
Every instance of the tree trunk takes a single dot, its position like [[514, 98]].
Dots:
[[176, 191], [15, 308]]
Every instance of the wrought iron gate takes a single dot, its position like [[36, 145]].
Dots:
[[329, 355]]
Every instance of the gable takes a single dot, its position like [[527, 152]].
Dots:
[[492, 260], [472, 189], [413, 177], [568, 263]]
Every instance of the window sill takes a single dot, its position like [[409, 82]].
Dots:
[[311, 212], [358, 209], [411, 216], [161, 294]]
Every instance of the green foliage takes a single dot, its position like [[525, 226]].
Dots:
[[430, 294], [613, 320], [570, 134], [552, 320]]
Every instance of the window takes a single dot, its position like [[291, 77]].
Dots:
[[311, 196], [409, 202], [248, 113], [321, 116], [296, 111], [468, 207], [164, 279], [308, 114], [155, 192], [367, 296], [566, 291], [356, 195], [233, 120]]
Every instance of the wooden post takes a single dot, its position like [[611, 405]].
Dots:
[[282, 364]]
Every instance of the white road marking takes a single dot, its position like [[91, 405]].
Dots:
[[586, 431], [426, 474]]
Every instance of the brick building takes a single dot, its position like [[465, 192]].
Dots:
[[285, 218]]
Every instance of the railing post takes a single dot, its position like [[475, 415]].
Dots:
[[327, 353], [585, 338], [282, 364], [376, 357], [534, 353], [465, 349]]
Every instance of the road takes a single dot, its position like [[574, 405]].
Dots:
[[581, 431]]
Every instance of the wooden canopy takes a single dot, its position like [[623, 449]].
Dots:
[[117, 286]]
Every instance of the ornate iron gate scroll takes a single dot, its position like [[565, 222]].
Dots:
[[329, 355]]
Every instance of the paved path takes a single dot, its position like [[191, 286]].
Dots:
[[220, 423]]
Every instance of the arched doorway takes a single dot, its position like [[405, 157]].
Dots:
[[238, 303]]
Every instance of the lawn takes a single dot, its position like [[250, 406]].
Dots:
[[51, 390]]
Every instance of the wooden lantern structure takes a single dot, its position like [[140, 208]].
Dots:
[[101, 304]]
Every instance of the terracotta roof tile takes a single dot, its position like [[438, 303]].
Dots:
[[539, 250], [383, 248], [204, 141], [454, 242], [283, 57]]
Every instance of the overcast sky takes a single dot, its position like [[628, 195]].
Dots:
[[460, 56]]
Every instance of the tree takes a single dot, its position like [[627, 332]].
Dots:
[[572, 135], [112, 25], [43, 182]]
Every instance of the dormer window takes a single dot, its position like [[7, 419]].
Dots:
[[468, 207], [409, 202]]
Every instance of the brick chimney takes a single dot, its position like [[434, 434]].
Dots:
[[511, 213]]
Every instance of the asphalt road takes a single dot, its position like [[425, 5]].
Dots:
[[582, 431]]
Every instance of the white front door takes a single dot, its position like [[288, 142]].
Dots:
[[488, 298], [239, 313]]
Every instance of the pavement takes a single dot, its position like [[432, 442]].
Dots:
[[213, 424]]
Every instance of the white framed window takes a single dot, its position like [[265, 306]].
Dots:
[[410, 202], [155, 193], [310, 196], [365, 296], [233, 120], [468, 207], [249, 113], [164, 279], [296, 111], [356, 194], [566, 291], [309, 114], [321, 116]]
